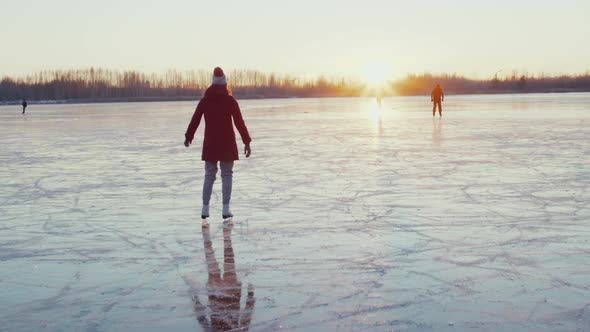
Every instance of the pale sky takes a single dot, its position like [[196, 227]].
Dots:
[[302, 37]]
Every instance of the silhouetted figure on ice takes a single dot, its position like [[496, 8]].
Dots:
[[24, 103], [224, 290], [219, 144], [437, 97]]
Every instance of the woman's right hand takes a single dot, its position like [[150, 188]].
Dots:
[[247, 150]]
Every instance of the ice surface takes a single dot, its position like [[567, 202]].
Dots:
[[348, 218]]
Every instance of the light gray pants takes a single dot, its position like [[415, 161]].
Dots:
[[226, 180]]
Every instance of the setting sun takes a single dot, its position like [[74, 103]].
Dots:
[[375, 73]]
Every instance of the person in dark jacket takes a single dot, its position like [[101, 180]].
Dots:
[[24, 105], [219, 145], [437, 97]]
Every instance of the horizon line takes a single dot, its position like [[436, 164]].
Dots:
[[506, 73]]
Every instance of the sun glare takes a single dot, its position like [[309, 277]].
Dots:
[[375, 73]]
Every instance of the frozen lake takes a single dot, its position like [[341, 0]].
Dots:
[[348, 218]]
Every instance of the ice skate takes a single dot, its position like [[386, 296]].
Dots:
[[226, 214], [205, 212]]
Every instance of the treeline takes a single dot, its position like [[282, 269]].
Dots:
[[514, 83], [104, 85], [97, 84]]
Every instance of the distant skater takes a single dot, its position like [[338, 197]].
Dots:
[[437, 97], [219, 144], [24, 105]]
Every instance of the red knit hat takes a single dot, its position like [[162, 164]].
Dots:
[[218, 77]]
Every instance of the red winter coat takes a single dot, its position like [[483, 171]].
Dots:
[[220, 140]]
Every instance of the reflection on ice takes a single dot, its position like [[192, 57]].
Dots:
[[224, 290], [376, 109], [437, 130]]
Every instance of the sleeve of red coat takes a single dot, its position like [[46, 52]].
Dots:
[[239, 123], [192, 127]]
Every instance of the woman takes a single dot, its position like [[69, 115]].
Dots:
[[219, 144]]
